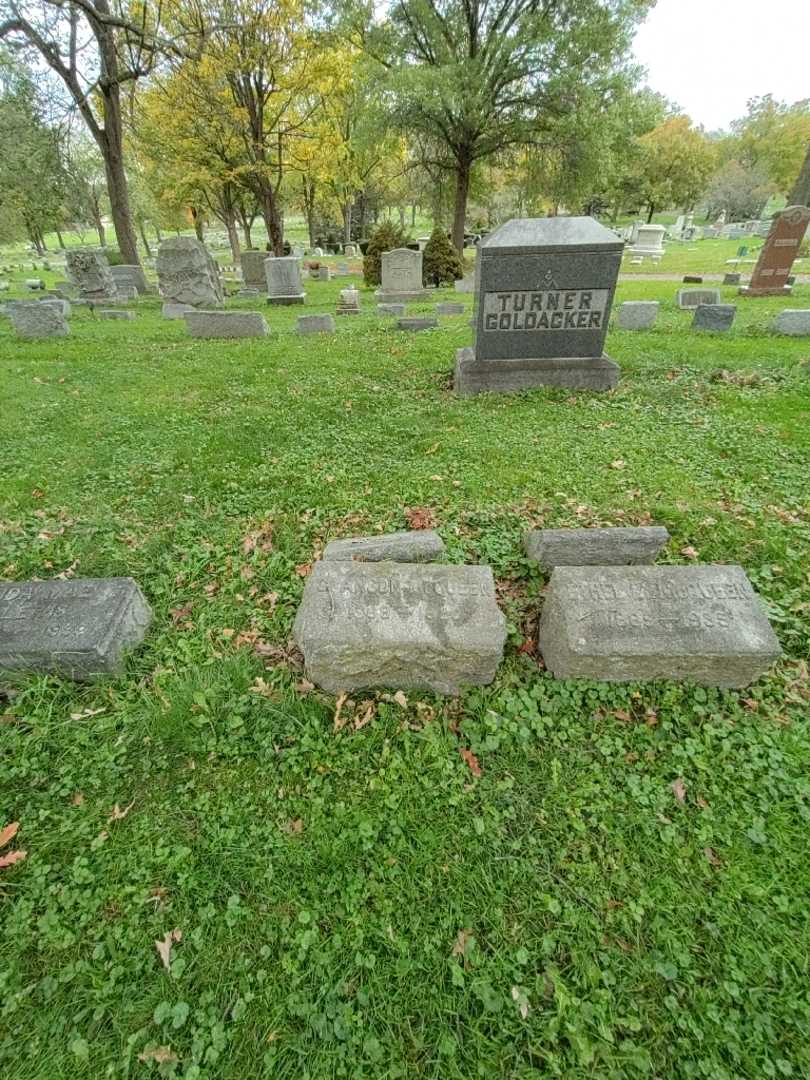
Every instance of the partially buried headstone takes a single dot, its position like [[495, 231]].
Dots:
[[401, 276], [316, 324], [324, 273], [130, 276], [79, 628], [415, 545], [637, 314], [778, 253], [731, 279], [35, 319], [416, 322], [385, 624], [595, 547], [544, 292], [284, 281], [716, 317], [252, 263], [187, 273], [691, 298], [793, 321], [107, 313], [175, 311], [622, 624], [226, 324], [89, 271], [391, 309], [450, 309]]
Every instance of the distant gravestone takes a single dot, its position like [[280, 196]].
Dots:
[[391, 309], [284, 281], [79, 628], [401, 276], [130, 276], [691, 298], [637, 314], [793, 321], [692, 279], [175, 311], [316, 324], [249, 294], [778, 253], [34, 319], [416, 322], [416, 545], [715, 317], [595, 547], [226, 324], [627, 623], [342, 269], [465, 284], [348, 302], [317, 252], [112, 313], [544, 290], [34, 284], [324, 273], [450, 309], [252, 263], [349, 250], [649, 241], [385, 624], [89, 271], [187, 273], [731, 279]]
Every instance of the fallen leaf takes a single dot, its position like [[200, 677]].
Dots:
[[702, 803], [420, 517], [689, 552], [164, 947], [471, 759], [528, 647], [623, 715], [12, 857], [518, 995], [293, 827], [227, 632], [178, 614], [400, 699], [87, 712], [338, 722], [8, 834], [303, 569], [751, 704], [118, 814], [679, 789], [712, 856], [304, 686], [78, 799], [461, 943], [366, 717], [161, 1054], [617, 464]]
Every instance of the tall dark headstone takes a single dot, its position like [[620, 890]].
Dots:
[[778, 252], [544, 289]]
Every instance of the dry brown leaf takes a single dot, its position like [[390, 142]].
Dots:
[[12, 857], [461, 943], [338, 721], [164, 946], [702, 803], [365, 717], [617, 464], [161, 1054], [689, 552], [400, 699], [78, 799], [118, 814], [679, 789], [471, 760], [420, 517], [293, 826], [623, 715], [8, 833], [178, 614], [304, 569], [304, 687]]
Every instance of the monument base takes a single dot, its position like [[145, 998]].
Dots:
[[401, 297], [777, 290], [297, 298], [504, 376]]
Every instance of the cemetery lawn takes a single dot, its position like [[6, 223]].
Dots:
[[538, 879]]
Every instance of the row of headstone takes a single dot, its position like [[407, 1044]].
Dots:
[[709, 314]]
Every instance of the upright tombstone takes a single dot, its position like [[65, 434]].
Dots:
[[38, 319], [283, 277], [649, 241], [89, 271], [544, 289], [129, 275], [349, 250], [401, 276], [348, 302], [637, 314], [716, 317], [187, 273], [691, 298], [778, 252], [253, 275]]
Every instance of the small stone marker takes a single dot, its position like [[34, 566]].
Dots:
[[692, 279], [34, 284], [386, 624], [690, 298], [417, 545], [107, 313], [731, 279], [793, 321], [248, 294], [649, 241], [188, 274], [778, 252], [79, 628], [35, 319], [89, 271], [324, 273], [595, 547], [391, 309], [316, 324], [716, 317], [252, 264], [348, 302], [130, 277], [465, 284], [544, 290], [450, 309], [284, 280], [401, 276], [621, 624], [175, 311], [416, 323], [342, 269], [637, 314], [226, 324]]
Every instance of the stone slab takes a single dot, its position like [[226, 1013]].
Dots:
[[391, 309], [504, 376], [385, 624], [692, 279], [415, 545], [108, 313], [690, 298], [226, 324], [416, 323], [595, 547], [626, 623], [316, 324], [286, 301], [38, 319], [715, 317], [731, 279], [450, 309], [175, 311], [637, 314], [79, 628], [793, 321], [188, 274]]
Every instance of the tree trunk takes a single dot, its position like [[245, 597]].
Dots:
[[246, 231], [197, 218], [272, 218], [401, 212], [650, 215], [117, 188], [157, 234], [413, 215], [229, 218], [99, 225], [142, 231], [463, 168], [800, 192], [346, 210], [59, 238]]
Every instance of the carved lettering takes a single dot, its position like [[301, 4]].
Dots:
[[548, 309]]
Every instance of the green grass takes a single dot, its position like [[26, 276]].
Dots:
[[356, 903]]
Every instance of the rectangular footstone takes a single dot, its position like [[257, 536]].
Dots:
[[225, 324], [391, 309], [385, 624], [622, 624], [416, 323], [316, 324], [690, 298], [637, 314], [107, 313], [731, 279], [450, 309], [793, 321], [175, 311], [595, 547], [79, 628], [417, 545], [716, 317]]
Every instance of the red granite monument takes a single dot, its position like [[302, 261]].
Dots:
[[777, 255]]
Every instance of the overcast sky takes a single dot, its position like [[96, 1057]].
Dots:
[[711, 56]]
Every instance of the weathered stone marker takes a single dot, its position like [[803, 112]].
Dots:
[[364, 624], [595, 547], [226, 324], [637, 314], [778, 252], [417, 322], [90, 273], [401, 276], [416, 545], [544, 289], [793, 321], [316, 324], [284, 280], [113, 313], [450, 309], [690, 298], [187, 273], [716, 317], [348, 302], [38, 319], [620, 624], [130, 276], [79, 628], [252, 263], [175, 311], [731, 279], [391, 309]]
